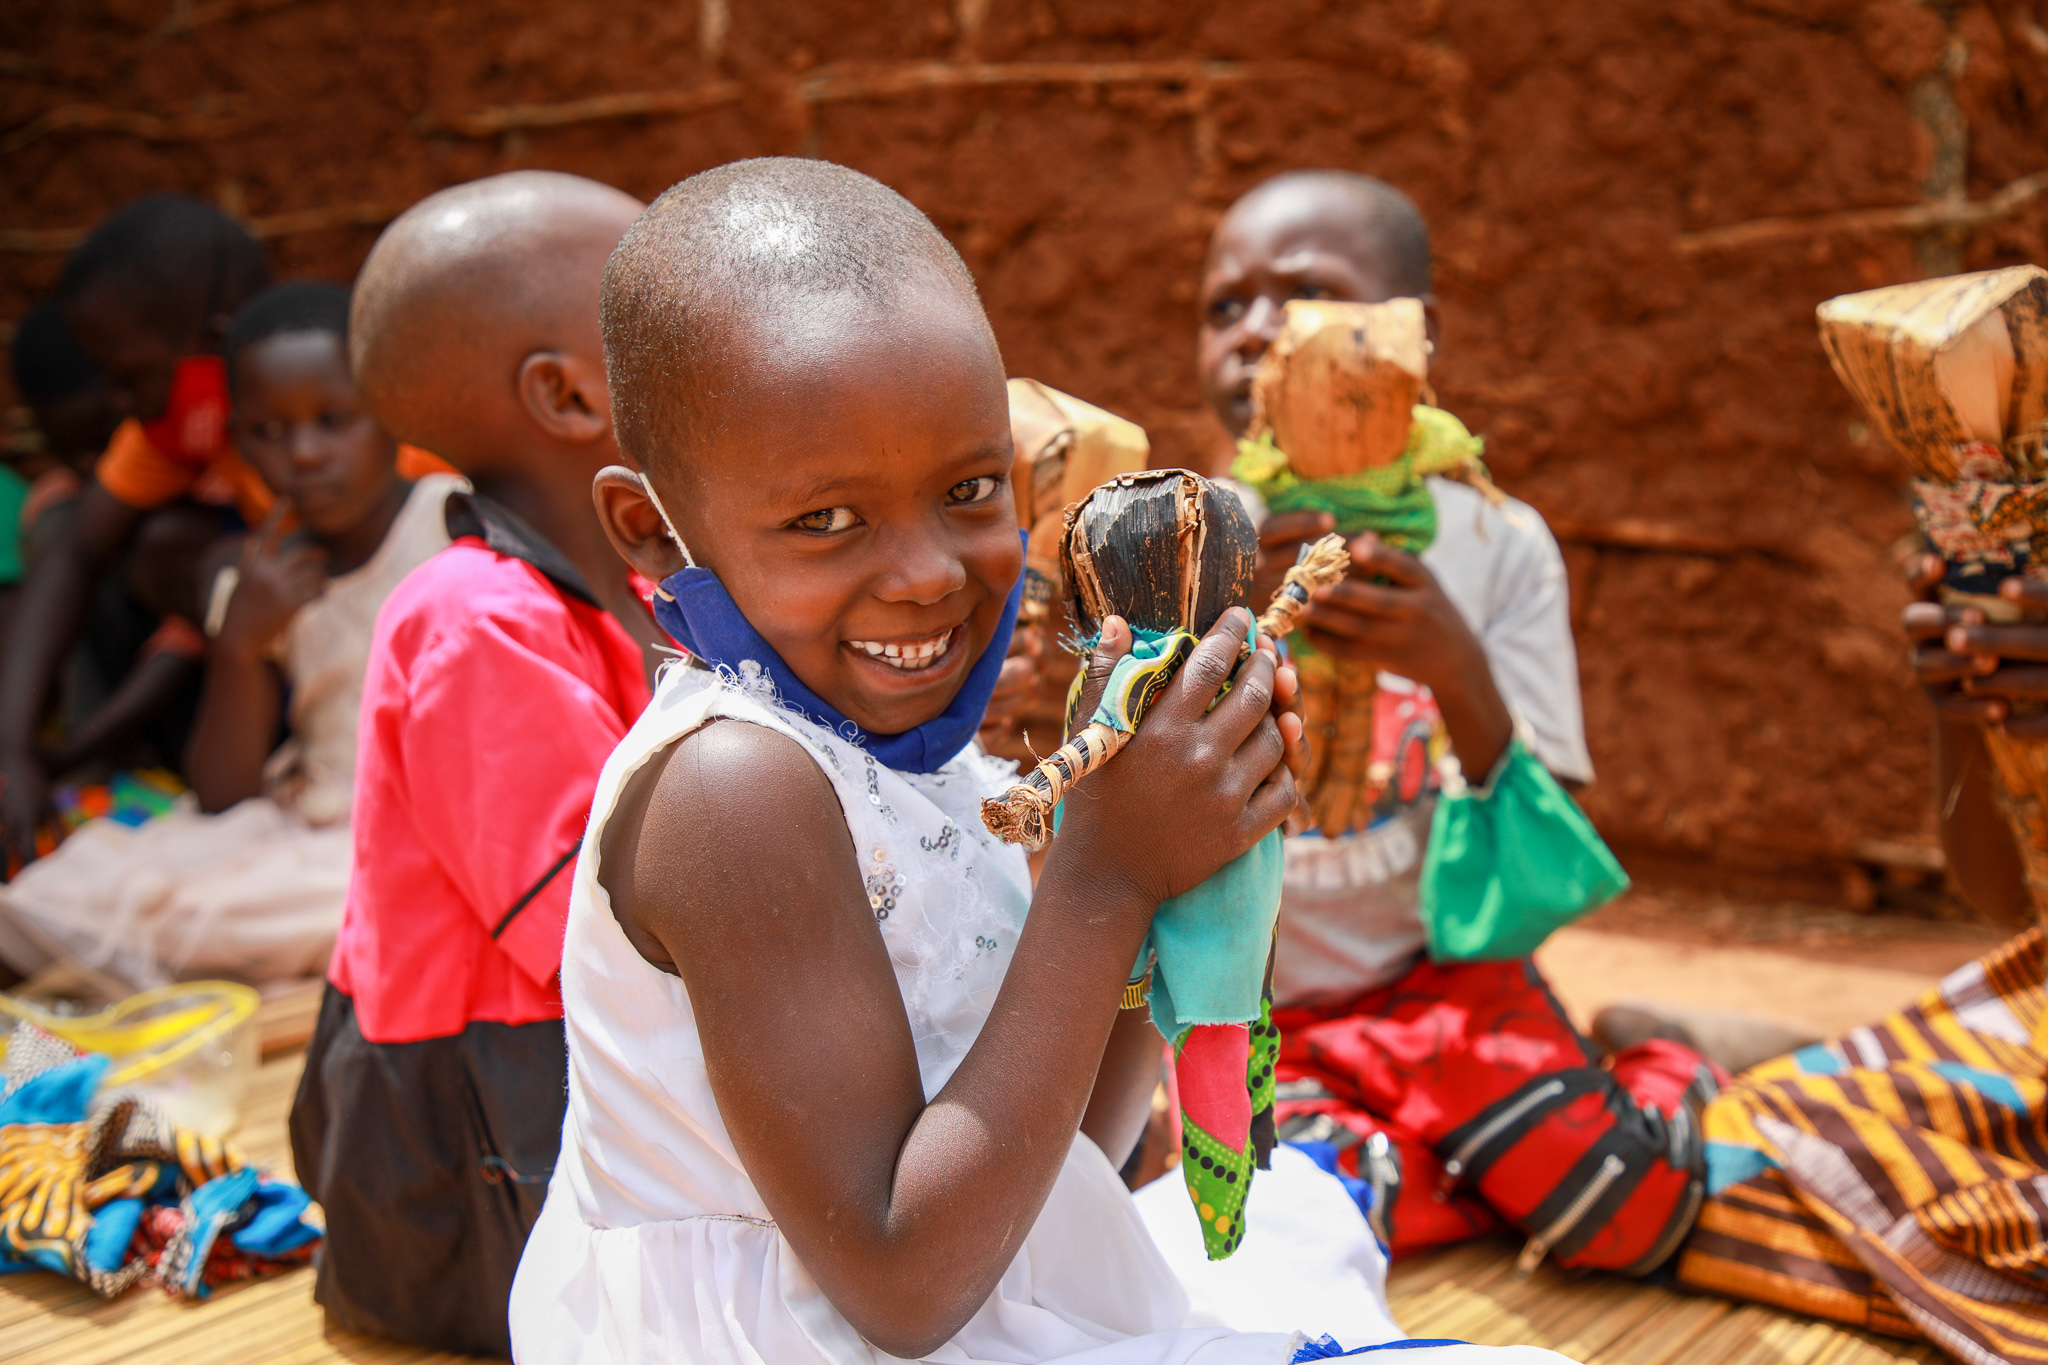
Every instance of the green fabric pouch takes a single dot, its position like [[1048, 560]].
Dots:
[[1509, 863]]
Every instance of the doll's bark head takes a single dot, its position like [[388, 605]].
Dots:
[[1301, 235], [1165, 549], [800, 363]]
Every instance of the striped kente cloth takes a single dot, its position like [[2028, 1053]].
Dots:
[[1896, 1178]]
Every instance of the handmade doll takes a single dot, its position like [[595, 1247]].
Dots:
[[1955, 372], [1064, 447], [1339, 427], [1170, 552]]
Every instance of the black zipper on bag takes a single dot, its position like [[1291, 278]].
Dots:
[[1586, 1200]]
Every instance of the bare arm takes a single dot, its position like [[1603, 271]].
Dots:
[[1975, 835], [238, 711], [149, 687], [232, 735], [52, 609], [1972, 673], [907, 1213], [1122, 1099]]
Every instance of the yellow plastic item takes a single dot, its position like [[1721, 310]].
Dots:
[[191, 1046]]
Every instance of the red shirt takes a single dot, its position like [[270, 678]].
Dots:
[[493, 697]]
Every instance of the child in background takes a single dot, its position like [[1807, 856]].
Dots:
[[67, 394], [127, 694], [1424, 1079], [149, 295], [251, 885], [833, 1096], [1892, 1178], [67, 398], [503, 672]]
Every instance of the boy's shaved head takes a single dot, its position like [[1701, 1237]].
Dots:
[[1301, 235], [1381, 221], [756, 247], [468, 283]]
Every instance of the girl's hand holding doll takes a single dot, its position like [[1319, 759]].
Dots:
[[906, 1213], [1202, 791]]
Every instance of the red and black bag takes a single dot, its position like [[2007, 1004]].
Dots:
[[1600, 1166], [1491, 1104]]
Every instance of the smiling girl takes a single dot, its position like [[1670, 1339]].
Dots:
[[252, 883], [842, 1086]]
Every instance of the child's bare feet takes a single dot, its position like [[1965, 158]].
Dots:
[[1737, 1041]]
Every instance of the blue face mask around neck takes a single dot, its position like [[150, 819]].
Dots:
[[694, 607]]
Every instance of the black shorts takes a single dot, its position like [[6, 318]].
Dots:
[[431, 1160]]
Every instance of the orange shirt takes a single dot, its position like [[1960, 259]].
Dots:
[[140, 474]]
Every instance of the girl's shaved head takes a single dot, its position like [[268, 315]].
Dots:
[[465, 285], [751, 251]]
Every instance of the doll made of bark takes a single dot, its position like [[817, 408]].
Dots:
[[1170, 552], [1339, 427], [1955, 372], [1064, 447]]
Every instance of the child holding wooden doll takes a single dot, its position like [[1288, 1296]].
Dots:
[[1893, 1177], [1456, 1090], [842, 1086]]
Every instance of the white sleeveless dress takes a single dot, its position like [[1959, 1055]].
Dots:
[[654, 1245]]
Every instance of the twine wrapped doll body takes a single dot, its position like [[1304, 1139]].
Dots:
[[1339, 428], [1955, 372], [1170, 553]]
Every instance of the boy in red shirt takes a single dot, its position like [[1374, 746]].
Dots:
[[503, 672]]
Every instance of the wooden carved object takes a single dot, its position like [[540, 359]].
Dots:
[[1065, 447], [1955, 372], [1338, 386], [1337, 392]]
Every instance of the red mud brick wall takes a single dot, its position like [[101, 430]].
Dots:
[[1745, 690]]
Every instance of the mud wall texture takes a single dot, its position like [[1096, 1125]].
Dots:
[[1637, 205]]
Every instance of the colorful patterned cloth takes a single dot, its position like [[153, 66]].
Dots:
[[1984, 525], [133, 798], [104, 1189], [1896, 1178]]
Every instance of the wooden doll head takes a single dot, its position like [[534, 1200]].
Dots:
[[1064, 447], [1941, 363], [1338, 387], [1165, 549]]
